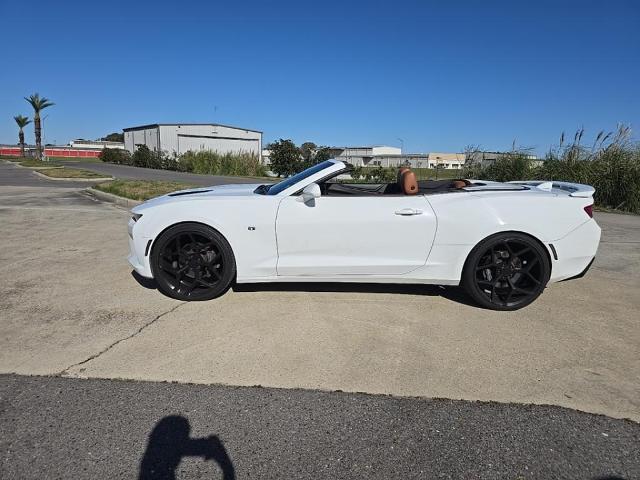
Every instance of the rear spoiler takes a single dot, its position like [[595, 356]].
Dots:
[[573, 189]]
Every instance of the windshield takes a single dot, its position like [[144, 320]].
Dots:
[[283, 185]]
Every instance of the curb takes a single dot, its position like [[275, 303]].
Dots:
[[94, 179], [40, 168], [17, 164], [111, 198]]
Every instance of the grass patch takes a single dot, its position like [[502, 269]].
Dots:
[[141, 189], [76, 159], [70, 173], [36, 163]]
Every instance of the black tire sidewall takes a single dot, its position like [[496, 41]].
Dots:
[[228, 259], [468, 274]]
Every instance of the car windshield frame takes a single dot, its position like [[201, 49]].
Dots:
[[298, 177]]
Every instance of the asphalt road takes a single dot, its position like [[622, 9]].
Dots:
[[88, 429], [11, 175], [135, 173]]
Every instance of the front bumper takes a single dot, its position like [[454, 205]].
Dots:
[[139, 251]]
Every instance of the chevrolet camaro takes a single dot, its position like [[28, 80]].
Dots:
[[502, 242]]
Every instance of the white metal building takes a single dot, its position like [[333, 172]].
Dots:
[[362, 156], [179, 138]]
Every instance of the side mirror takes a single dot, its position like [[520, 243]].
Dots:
[[310, 192]]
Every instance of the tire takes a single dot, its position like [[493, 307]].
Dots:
[[506, 271], [191, 261]]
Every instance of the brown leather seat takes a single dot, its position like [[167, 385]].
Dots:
[[408, 182]]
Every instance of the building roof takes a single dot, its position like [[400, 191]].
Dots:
[[155, 125], [98, 142], [364, 147]]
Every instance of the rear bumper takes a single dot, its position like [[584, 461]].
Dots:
[[576, 252], [582, 273]]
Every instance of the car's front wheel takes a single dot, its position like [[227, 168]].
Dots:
[[191, 261], [506, 271]]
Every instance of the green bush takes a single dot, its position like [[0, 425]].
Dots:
[[143, 157], [513, 166], [115, 155], [376, 174]]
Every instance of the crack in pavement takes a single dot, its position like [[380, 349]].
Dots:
[[109, 347]]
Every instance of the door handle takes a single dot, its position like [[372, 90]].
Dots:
[[408, 211]]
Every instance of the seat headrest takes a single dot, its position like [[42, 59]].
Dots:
[[409, 182], [458, 184], [399, 176]]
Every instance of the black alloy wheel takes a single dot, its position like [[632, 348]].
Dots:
[[192, 262], [506, 271]]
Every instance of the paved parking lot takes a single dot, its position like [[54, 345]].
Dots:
[[71, 307]]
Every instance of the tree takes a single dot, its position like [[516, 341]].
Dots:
[[114, 137], [322, 154], [22, 122], [313, 154], [38, 103], [308, 150], [285, 157]]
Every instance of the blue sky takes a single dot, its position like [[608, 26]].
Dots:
[[439, 75]]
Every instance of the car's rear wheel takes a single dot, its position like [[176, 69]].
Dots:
[[506, 271], [192, 261]]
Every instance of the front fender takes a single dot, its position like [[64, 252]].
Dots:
[[248, 224]]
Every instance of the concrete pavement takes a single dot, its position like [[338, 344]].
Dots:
[[71, 307]]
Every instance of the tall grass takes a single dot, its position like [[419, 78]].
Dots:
[[611, 165], [213, 163], [205, 162]]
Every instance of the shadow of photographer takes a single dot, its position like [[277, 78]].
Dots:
[[169, 442]]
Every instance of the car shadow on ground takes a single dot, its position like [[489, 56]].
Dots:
[[169, 443], [455, 294]]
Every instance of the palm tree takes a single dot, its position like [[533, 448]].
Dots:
[[38, 105], [22, 122]]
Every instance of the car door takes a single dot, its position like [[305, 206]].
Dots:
[[353, 235]]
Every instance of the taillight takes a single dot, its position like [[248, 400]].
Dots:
[[589, 210]]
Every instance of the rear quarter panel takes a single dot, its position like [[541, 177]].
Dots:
[[465, 218]]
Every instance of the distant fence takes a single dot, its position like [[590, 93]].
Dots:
[[53, 152]]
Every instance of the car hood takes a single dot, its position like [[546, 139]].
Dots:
[[234, 190]]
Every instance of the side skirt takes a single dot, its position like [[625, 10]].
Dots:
[[346, 279]]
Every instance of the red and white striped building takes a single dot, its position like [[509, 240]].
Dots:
[[75, 149]]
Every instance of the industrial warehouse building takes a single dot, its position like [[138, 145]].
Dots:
[[386, 156], [178, 138]]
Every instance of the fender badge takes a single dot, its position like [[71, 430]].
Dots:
[[251, 229]]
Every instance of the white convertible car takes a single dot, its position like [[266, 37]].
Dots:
[[503, 242]]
